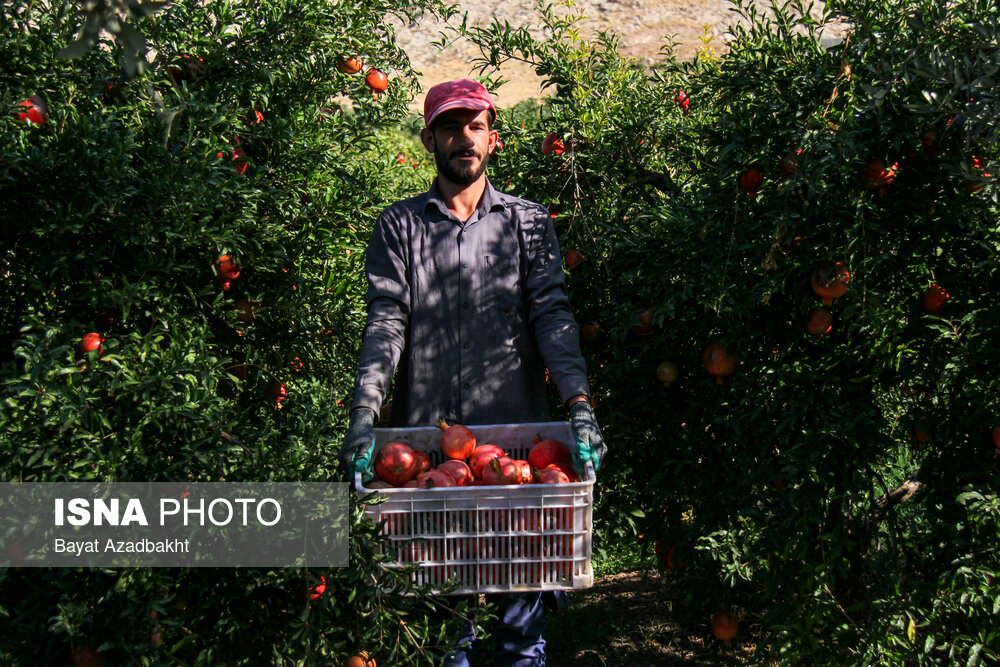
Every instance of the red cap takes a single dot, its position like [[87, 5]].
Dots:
[[457, 94]]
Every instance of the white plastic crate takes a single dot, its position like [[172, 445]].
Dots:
[[490, 539]]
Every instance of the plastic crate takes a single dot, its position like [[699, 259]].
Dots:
[[489, 539]]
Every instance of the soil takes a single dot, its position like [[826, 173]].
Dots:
[[644, 26], [633, 618]]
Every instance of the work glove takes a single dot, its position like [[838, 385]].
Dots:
[[359, 443], [589, 441]]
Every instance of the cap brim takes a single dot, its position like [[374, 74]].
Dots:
[[474, 104]]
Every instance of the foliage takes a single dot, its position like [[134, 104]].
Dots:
[[823, 489], [238, 137]]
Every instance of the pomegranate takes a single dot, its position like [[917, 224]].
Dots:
[[928, 143], [590, 331], [996, 436], [876, 177], [547, 452], [433, 479], [979, 183], [751, 180], [550, 475], [379, 484], [377, 81], [820, 322], [644, 328], [422, 463], [459, 472], [457, 441], [572, 259], [564, 467], [665, 554], [724, 625], [37, 113], [684, 102], [934, 299], [362, 659], [667, 372], [396, 464], [226, 268], [525, 469], [316, 592], [277, 392], [552, 144], [502, 470], [830, 280], [790, 163], [482, 455], [718, 362], [349, 65], [91, 341]]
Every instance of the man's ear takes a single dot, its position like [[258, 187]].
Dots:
[[427, 139]]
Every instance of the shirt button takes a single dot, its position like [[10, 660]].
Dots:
[[465, 265], [466, 385], [466, 346]]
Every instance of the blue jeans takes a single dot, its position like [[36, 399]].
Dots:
[[521, 621]]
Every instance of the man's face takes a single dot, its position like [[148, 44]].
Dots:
[[462, 143]]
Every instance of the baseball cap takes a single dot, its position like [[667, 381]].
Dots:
[[457, 94]]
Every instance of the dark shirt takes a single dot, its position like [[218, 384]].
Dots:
[[472, 313]]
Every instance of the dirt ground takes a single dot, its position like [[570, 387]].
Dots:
[[642, 25]]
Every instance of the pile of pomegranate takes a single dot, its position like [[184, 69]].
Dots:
[[468, 463]]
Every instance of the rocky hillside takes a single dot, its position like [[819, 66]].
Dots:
[[642, 25]]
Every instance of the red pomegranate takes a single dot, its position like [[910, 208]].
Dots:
[[525, 469], [421, 462], [996, 436], [934, 299], [550, 475], [573, 259], [502, 470], [820, 322], [830, 280], [482, 455], [877, 177], [718, 362], [790, 163], [459, 472], [91, 341], [396, 464], [751, 180], [457, 441], [434, 479], [547, 452], [724, 625]]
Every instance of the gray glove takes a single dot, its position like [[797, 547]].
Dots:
[[359, 443], [589, 441]]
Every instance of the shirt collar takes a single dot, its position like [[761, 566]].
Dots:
[[489, 202]]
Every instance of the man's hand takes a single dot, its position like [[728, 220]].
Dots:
[[359, 441], [589, 444]]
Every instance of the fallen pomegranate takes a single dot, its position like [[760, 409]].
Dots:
[[457, 441], [820, 322], [830, 280], [396, 464], [718, 362], [934, 299], [724, 625]]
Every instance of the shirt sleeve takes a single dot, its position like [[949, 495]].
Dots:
[[388, 300], [549, 312]]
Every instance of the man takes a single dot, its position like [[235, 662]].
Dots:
[[467, 305]]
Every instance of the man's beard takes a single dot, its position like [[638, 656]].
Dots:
[[459, 175]]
